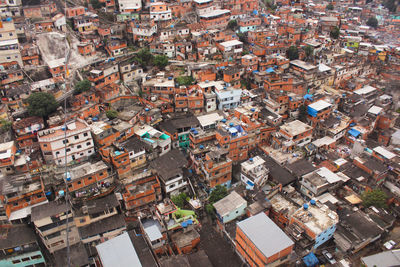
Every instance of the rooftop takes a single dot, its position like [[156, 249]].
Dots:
[[304, 65], [230, 203], [73, 127], [15, 236], [118, 251], [87, 169], [295, 127], [317, 218], [49, 209], [231, 43], [265, 234], [215, 13], [319, 105]]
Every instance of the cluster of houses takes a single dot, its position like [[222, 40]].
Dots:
[[290, 106]]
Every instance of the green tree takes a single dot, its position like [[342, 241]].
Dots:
[[309, 51], [185, 80], [376, 198], [245, 83], [96, 4], [292, 53], [232, 24], [179, 200], [111, 114], [302, 113], [41, 104], [144, 57], [330, 7], [242, 37], [160, 61], [218, 193], [210, 210], [372, 22], [391, 5], [5, 125], [335, 32], [82, 86]]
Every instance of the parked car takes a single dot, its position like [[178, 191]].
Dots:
[[328, 256]]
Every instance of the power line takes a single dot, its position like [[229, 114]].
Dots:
[[67, 54]]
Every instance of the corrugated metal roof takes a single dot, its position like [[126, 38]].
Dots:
[[118, 251], [265, 234]]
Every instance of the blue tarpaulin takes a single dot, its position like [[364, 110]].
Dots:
[[310, 260], [308, 97], [354, 132], [269, 70], [312, 112]]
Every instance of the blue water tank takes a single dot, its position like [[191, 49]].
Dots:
[[305, 206], [48, 193], [251, 159], [312, 202], [231, 124], [61, 193], [146, 109], [252, 109]]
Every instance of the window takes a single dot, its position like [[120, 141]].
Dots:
[[90, 151], [88, 143], [79, 182], [36, 257], [85, 134], [78, 146], [90, 178], [16, 261], [82, 220], [76, 137], [68, 149], [65, 141]]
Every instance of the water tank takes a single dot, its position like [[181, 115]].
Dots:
[[305, 206], [61, 193], [312, 202], [231, 124]]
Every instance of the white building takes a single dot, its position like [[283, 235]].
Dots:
[[228, 98], [78, 139], [9, 46], [159, 11], [159, 141], [128, 6], [253, 172]]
